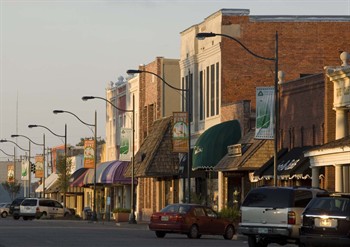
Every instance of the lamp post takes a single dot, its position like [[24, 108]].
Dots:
[[188, 106], [85, 98], [201, 36], [29, 173], [65, 153], [14, 154], [94, 216]]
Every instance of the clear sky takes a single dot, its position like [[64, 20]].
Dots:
[[53, 52]]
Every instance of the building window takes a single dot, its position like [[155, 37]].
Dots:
[[217, 88], [208, 91], [201, 96]]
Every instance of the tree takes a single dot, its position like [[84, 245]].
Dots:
[[64, 172], [99, 141], [12, 188]]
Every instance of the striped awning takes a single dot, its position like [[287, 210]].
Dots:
[[111, 172], [77, 178]]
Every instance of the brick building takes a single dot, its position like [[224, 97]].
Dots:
[[221, 72]]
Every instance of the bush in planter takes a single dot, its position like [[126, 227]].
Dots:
[[122, 210], [230, 213]]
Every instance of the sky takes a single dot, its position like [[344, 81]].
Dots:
[[53, 52]]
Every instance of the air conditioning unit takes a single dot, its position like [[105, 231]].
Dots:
[[234, 150]]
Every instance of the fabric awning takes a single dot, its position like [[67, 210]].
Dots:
[[51, 184], [77, 178], [211, 146], [111, 172], [290, 165]]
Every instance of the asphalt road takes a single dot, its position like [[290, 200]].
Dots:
[[79, 233]]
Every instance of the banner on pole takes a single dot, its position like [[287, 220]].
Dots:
[[25, 170], [89, 153], [180, 132], [39, 166], [125, 144], [264, 128], [10, 173]]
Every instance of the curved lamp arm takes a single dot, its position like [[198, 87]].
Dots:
[[202, 36], [5, 152], [61, 111], [135, 71], [39, 144], [35, 125], [4, 140], [85, 98]]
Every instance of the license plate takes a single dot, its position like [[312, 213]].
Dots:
[[263, 230], [164, 218], [325, 222]]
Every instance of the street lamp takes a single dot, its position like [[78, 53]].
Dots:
[[188, 106], [201, 36], [85, 98], [14, 154], [94, 218], [65, 154], [29, 171]]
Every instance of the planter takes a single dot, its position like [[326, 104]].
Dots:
[[121, 217]]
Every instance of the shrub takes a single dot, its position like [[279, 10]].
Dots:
[[229, 213], [122, 210]]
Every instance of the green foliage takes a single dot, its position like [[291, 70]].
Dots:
[[63, 170], [12, 188], [121, 210], [229, 213], [99, 142]]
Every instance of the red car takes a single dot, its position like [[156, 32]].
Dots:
[[191, 219]]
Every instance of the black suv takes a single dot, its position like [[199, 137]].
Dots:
[[14, 207], [326, 221], [273, 214]]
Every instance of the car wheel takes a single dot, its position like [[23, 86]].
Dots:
[[4, 214], [160, 234], [253, 241], [229, 232], [42, 216], [15, 216], [194, 233]]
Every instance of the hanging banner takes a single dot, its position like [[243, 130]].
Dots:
[[10, 173], [25, 170], [89, 153], [125, 144], [264, 128], [39, 166], [180, 132]]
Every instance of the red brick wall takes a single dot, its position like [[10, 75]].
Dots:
[[304, 48]]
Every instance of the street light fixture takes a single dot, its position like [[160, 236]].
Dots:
[[65, 154], [29, 171], [94, 216], [188, 106], [201, 36], [85, 98], [14, 153]]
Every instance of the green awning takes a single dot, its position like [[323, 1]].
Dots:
[[211, 146]]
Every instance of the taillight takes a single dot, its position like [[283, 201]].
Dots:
[[37, 209], [291, 218]]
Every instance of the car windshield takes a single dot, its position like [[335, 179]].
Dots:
[[176, 208], [340, 206]]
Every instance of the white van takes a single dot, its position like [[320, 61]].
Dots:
[[31, 208]]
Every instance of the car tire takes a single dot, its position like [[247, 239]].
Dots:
[[16, 217], [229, 232], [4, 214], [254, 242], [160, 234], [193, 233]]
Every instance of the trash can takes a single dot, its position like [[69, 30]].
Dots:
[[87, 213]]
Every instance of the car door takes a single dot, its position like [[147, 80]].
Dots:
[[215, 224], [201, 219], [58, 209]]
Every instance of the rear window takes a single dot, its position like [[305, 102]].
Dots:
[[272, 197], [29, 202], [330, 205], [178, 208]]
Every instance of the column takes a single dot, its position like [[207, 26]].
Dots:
[[341, 128], [221, 184], [338, 178], [315, 171]]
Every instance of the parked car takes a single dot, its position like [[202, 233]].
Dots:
[[191, 219], [326, 221], [4, 209], [273, 214], [31, 208], [14, 207]]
